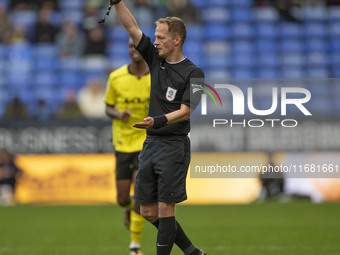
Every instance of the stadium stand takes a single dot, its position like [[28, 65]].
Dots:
[[234, 39]]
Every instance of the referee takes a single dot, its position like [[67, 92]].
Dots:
[[127, 101], [165, 157]]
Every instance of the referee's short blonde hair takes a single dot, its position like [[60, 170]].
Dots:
[[176, 27]]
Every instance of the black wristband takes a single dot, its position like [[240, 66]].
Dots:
[[159, 121], [114, 2]]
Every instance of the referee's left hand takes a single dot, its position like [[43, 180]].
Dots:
[[148, 123]]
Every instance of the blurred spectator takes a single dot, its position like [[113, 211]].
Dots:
[[15, 110], [332, 2], [43, 112], [8, 173], [97, 3], [70, 40], [183, 9], [95, 41], [17, 35], [90, 99], [143, 11], [70, 110], [282, 6], [5, 25], [44, 31]]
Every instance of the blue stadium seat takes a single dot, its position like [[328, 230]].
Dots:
[[194, 32], [292, 72], [292, 45], [242, 3], [217, 3], [334, 44], [215, 14], [317, 44], [243, 61], [217, 32], [317, 29], [335, 29], [118, 49], [70, 64], [74, 16], [217, 73], [70, 80], [311, 13], [70, 5], [292, 60], [266, 30], [117, 34], [266, 60], [3, 79], [192, 48], [242, 30], [267, 45], [242, 46], [3, 51], [216, 47], [3, 68], [45, 80], [334, 13], [335, 59], [242, 73], [199, 3], [268, 14], [46, 51], [318, 59], [20, 66], [267, 72], [241, 15], [318, 72], [291, 30], [41, 65], [335, 73], [19, 81], [217, 61], [19, 52]]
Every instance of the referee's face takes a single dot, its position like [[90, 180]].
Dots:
[[164, 41]]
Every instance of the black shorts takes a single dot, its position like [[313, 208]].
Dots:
[[126, 164], [163, 168]]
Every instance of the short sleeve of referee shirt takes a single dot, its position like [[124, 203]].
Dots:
[[190, 97], [147, 49]]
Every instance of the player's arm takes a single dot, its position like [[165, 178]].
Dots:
[[171, 118], [113, 113], [129, 22]]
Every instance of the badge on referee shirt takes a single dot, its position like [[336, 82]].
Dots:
[[171, 94]]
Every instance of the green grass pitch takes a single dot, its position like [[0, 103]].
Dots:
[[294, 228]]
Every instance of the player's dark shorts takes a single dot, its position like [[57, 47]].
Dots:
[[126, 164], [163, 168]]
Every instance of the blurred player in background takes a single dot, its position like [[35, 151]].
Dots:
[[127, 101], [164, 160]]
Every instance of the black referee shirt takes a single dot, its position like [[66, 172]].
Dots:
[[170, 87]]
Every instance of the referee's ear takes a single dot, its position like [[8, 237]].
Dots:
[[177, 40]]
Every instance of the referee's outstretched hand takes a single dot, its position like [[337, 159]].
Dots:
[[148, 123]]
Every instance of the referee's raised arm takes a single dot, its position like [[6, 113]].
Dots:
[[129, 22]]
